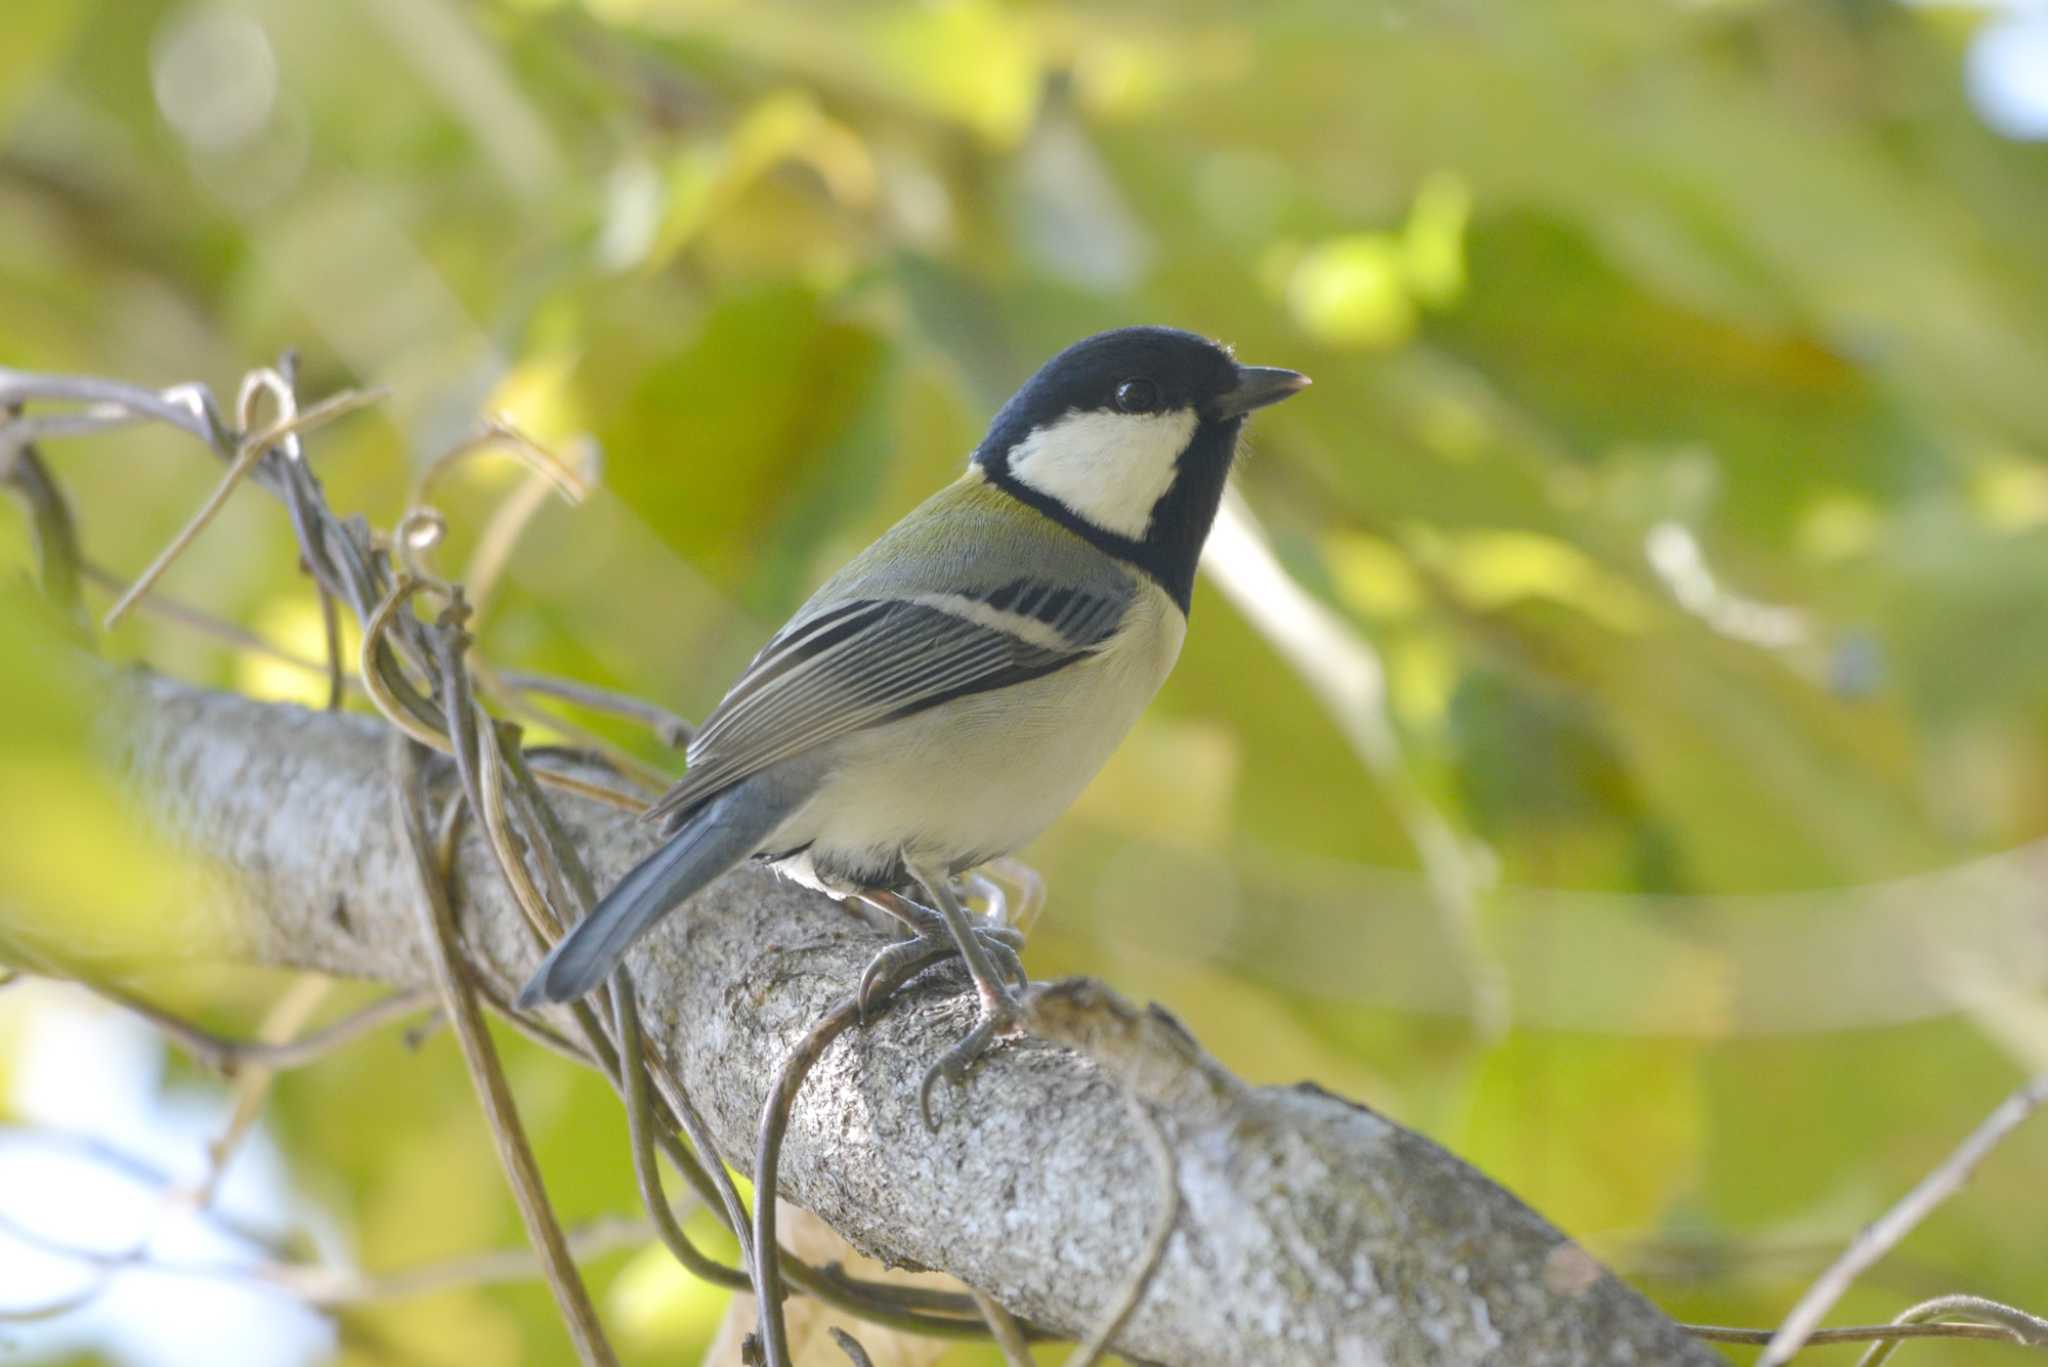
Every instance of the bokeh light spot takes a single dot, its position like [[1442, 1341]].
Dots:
[[215, 77], [1351, 292], [2007, 74]]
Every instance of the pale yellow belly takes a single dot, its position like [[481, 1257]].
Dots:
[[981, 775]]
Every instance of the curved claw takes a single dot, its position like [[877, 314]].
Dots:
[[1003, 935], [1007, 960], [987, 949], [899, 962], [957, 1062], [889, 965]]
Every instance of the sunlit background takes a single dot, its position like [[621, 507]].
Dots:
[[1613, 733]]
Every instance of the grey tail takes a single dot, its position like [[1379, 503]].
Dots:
[[717, 836]]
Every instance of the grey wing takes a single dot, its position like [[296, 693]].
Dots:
[[865, 662]]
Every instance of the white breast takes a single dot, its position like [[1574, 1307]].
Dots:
[[981, 776]]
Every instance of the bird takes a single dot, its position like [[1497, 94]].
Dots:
[[946, 695]]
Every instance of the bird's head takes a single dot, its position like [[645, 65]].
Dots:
[[1127, 438]]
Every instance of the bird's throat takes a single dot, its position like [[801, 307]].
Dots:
[[1180, 522]]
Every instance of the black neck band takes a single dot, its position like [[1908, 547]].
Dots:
[[1180, 519]]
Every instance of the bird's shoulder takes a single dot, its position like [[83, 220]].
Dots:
[[973, 537], [972, 582], [968, 593]]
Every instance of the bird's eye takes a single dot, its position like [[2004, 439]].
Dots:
[[1137, 396]]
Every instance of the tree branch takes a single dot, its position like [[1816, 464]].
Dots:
[[1310, 1229]]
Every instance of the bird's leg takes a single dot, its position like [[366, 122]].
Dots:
[[999, 1010], [989, 951], [928, 928]]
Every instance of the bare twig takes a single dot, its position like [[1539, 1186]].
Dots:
[[206, 624], [60, 1307], [1882, 1236], [475, 745], [228, 1056], [285, 1019], [319, 1285], [169, 1191], [1855, 1333], [850, 1346], [92, 1257], [727, 1198], [646, 1167], [497, 432], [897, 1307], [774, 1331], [311, 1048], [413, 716], [774, 1126], [546, 922], [556, 1043], [518, 704], [481, 759], [252, 449], [335, 1287], [630, 1068], [185, 407], [105, 1263], [89, 421], [596, 792], [2023, 1328], [330, 630], [627, 1061], [670, 729], [459, 1000], [1003, 1327]]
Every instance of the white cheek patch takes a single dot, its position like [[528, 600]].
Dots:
[[1111, 468]]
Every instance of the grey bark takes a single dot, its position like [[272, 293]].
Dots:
[[1312, 1231]]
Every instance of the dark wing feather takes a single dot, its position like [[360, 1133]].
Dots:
[[867, 662]]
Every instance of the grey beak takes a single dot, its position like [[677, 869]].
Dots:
[[1259, 385]]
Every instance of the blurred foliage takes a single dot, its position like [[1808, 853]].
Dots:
[[1679, 446]]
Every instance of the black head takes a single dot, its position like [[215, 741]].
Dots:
[[1127, 438]]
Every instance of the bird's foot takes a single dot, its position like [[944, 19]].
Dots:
[[931, 939], [999, 1012], [988, 950]]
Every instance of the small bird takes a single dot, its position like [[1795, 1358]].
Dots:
[[950, 691]]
